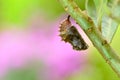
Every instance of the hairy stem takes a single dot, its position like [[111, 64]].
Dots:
[[93, 33]]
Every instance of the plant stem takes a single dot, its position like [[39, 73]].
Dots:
[[93, 33]]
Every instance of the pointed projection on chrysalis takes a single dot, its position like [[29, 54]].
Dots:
[[70, 34]]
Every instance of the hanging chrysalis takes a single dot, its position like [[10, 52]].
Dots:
[[70, 34]]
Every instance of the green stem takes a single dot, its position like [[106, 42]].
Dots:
[[93, 33]]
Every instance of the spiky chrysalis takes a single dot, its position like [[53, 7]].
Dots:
[[71, 35]]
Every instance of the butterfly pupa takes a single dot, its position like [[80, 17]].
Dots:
[[70, 34]]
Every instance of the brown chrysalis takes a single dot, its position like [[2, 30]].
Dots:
[[71, 35]]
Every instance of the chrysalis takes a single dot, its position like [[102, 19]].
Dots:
[[70, 34]]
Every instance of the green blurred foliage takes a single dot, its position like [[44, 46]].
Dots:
[[51, 8], [22, 74], [31, 71], [17, 11]]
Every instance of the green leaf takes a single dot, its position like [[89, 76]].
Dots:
[[114, 6], [109, 28], [91, 10], [109, 24], [100, 5], [97, 10]]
